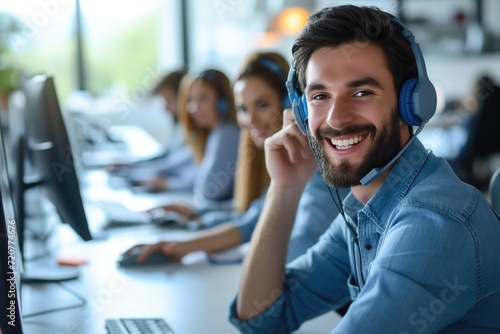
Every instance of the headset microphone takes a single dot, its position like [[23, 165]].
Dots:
[[376, 172]]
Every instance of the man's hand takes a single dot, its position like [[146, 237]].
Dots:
[[289, 158]]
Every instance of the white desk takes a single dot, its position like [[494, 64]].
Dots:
[[194, 296], [134, 145]]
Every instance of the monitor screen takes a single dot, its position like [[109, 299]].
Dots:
[[49, 146], [10, 256]]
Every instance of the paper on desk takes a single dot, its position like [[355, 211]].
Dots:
[[233, 255]]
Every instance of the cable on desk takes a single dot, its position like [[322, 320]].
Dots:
[[83, 302]]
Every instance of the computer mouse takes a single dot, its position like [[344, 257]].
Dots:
[[130, 259], [169, 218]]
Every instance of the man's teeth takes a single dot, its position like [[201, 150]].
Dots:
[[345, 144]]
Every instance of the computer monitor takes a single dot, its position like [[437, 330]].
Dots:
[[41, 155], [48, 143], [15, 146], [11, 264]]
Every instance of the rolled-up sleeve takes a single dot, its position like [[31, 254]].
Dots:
[[315, 283]]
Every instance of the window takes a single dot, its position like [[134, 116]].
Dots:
[[121, 43]]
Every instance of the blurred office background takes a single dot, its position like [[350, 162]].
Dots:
[[106, 55]]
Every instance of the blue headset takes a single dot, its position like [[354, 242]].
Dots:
[[222, 103], [275, 68], [417, 100]]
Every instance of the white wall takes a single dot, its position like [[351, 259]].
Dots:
[[457, 75]]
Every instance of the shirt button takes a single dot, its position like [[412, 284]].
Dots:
[[368, 246]]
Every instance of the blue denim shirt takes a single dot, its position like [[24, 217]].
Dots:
[[430, 255]]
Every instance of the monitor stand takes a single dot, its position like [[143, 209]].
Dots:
[[43, 268]]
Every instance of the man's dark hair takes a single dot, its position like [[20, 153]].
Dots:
[[335, 26], [172, 81]]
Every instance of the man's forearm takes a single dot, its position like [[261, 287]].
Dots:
[[264, 265]]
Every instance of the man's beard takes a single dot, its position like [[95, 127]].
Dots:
[[385, 145]]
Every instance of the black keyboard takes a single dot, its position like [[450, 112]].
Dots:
[[137, 326]]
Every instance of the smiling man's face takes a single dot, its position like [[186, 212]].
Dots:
[[353, 116]]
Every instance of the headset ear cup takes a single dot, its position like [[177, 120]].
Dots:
[[303, 107], [406, 103], [304, 112], [298, 118], [222, 106], [285, 103], [298, 101]]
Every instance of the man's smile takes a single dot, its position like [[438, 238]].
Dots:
[[347, 143]]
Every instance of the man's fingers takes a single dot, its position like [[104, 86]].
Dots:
[[290, 122], [292, 140], [296, 147]]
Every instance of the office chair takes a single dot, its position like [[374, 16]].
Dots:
[[495, 190]]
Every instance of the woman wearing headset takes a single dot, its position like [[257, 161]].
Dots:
[[260, 96], [208, 114]]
